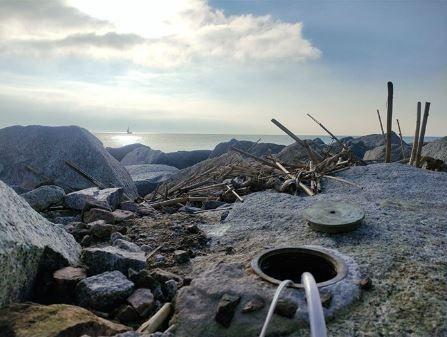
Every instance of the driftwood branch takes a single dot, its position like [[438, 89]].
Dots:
[[401, 140], [84, 174], [381, 126], [422, 134], [312, 155], [157, 320]]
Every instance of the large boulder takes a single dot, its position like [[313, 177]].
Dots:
[[29, 244], [148, 177], [32, 155], [179, 159], [295, 153], [119, 152], [104, 291], [359, 145], [436, 149], [57, 320], [44, 196], [259, 149], [378, 153]]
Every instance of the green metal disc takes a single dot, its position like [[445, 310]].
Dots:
[[334, 216]]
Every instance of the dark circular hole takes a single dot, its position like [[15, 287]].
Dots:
[[332, 212], [282, 264]]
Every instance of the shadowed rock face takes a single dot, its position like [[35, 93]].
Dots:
[[436, 149], [259, 149], [47, 148], [30, 245], [378, 153], [179, 159]]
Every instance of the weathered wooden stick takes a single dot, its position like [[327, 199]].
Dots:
[[343, 181], [306, 189], [312, 155], [253, 145], [148, 256], [170, 329], [229, 189], [389, 121], [330, 133], [157, 320], [401, 140], [84, 174], [422, 133], [265, 162], [416, 135], [381, 126], [169, 202]]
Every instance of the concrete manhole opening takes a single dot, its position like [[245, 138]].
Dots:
[[290, 263]]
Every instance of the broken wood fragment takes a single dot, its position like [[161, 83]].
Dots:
[[157, 320]]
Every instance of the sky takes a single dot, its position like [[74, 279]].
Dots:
[[197, 66]]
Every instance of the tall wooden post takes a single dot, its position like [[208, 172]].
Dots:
[[422, 134], [401, 139], [381, 126], [389, 121], [416, 135]]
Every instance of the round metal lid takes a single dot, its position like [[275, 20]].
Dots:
[[334, 216]]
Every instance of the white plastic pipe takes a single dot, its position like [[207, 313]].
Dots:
[[281, 286], [314, 306]]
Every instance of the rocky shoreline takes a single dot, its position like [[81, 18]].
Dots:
[[85, 251]]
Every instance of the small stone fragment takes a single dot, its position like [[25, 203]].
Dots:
[[101, 229], [126, 314], [142, 301], [122, 215], [226, 308], [181, 256], [286, 308], [99, 214], [254, 304], [65, 281], [365, 283], [170, 289]]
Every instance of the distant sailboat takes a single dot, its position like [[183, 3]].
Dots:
[[128, 131]]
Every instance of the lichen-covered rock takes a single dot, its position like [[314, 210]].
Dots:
[[28, 244], [107, 198], [101, 259], [43, 197], [104, 291], [148, 177], [57, 320], [45, 149]]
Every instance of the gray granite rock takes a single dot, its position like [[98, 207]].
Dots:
[[120, 215], [101, 259], [28, 244], [436, 149], [126, 245], [378, 153], [104, 291], [45, 196], [101, 230], [108, 198], [46, 149], [259, 149], [142, 301], [147, 177], [96, 214], [119, 152]]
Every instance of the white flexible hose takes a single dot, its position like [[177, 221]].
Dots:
[[314, 306], [281, 286]]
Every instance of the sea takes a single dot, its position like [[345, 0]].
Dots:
[[170, 142]]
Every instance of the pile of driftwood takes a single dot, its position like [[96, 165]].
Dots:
[[232, 180]]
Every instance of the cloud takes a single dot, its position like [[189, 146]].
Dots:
[[146, 33]]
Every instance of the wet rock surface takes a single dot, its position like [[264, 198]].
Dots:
[[103, 291], [57, 320]]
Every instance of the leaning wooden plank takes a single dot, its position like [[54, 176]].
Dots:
[[84, 174], [416, 135], [401, 140], [312, 155], [381, 126], [157, 320], [422, 134]]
